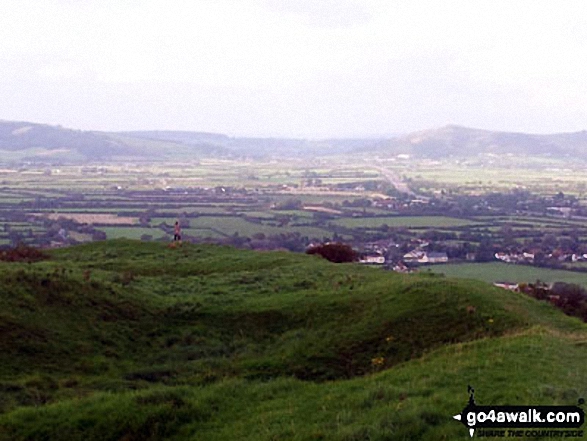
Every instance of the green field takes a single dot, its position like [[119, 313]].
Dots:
[[90, 210], [123, 340], [504, 272], [200, 210], [131, 232], [403, 221], [155, 221], [229, 225], [203, 233]]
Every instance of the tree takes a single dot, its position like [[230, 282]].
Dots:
[[335, 252]]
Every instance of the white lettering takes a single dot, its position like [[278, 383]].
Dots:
[[512, 417]]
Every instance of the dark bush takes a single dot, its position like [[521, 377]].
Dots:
[[335, 252], [23, 253]]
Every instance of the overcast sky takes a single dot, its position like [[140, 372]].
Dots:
[[304, 68]]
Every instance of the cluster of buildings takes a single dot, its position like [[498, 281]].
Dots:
[[515, 257], [529, 257], [376, 253], [421, 256]]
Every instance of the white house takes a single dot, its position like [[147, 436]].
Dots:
[[372, 259], [425, 257]]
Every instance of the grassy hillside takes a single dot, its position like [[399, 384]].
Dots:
[[464, 141], [23, 141], [31, 141], [499, 272], [135, 341]]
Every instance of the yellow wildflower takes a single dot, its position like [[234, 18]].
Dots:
[[377, 361]]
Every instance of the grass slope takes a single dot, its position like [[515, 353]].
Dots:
[[135, 341], [507, 272]]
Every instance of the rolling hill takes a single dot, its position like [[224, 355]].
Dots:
[[450, 140], [142, 341], [42, 141], [460, 141], [260, 147], [22, 141]]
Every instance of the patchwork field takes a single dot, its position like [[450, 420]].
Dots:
[[291, 204], [131, 233], [94, 218], [403, 221]]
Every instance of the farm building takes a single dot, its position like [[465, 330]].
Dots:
[[372, 259], [419, 256]]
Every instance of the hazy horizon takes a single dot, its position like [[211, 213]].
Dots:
[[329, 69], [309, 138]]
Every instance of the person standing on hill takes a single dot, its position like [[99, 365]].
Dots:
[[177, 232]]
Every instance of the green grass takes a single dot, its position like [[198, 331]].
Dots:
[[231, 225], [404, 404], [196, 209], [218, 226], [131, 232], [294, 213], [261, 214], [403, 221], [140, 341], [576, 265], [203, 233], [91, 210], [155, 221], [14, 199], [311, 232], [497, 271]]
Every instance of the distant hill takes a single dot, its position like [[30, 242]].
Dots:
[[190, 138], [141, 341], [23, 141], [30, 141], [462, 141], [257, 147]]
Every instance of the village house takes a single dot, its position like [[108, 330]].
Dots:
[[400, 267], [419, 256], [515, 257], [563, 211], [390, 203], [372, 259], [508, 285], [528, 256], [381, 246], [414, 256], [434, 257]]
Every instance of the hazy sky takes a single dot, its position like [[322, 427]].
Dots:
[[307, 68]]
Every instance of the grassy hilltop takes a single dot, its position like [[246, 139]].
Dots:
[[123, 340]]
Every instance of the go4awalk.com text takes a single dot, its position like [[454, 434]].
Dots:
[[522, 421]]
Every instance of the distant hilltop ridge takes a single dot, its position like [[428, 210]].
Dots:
[[25, 141], [463, 141]]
